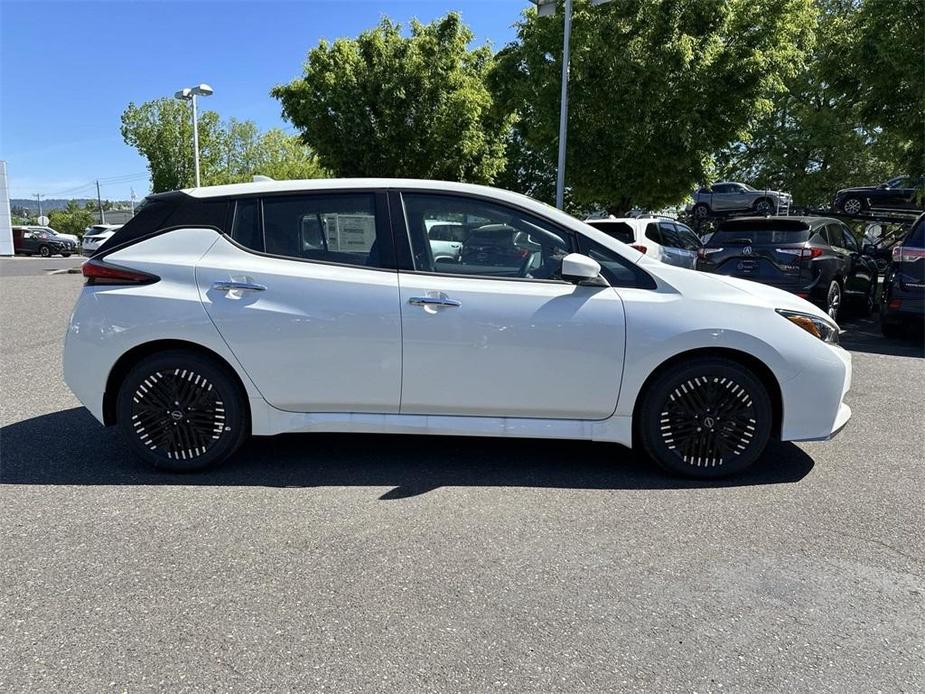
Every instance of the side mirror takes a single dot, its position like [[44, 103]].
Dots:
[[581, 269]]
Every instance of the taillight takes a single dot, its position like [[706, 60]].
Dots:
[[641, 249], [101, 272], [902, 254]]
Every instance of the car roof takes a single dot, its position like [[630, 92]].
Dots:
[[313, 184]]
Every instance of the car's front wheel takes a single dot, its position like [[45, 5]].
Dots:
[[705, 417], [45, 251], [182, 411], [701, 210], [763, 206]]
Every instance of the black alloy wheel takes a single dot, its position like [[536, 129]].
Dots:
[[181, 411], [705, 418], [833, 300], [45, 251], [701, 210], [853, 206]]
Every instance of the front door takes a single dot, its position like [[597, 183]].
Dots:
[[312, 316], [500, 334]]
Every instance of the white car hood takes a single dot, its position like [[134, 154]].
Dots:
[[720, 287]]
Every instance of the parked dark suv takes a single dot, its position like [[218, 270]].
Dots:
[[903, 298], [814, 257], [32, 241]]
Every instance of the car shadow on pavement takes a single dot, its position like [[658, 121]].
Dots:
[[71, 448], [863, 335]]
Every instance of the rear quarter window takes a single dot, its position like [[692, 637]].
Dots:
[[621, 231], [916, 237]]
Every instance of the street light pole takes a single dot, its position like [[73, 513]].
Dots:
[[195, 140], [563, 107], [190, 94]]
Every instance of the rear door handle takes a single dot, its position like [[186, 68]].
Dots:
[[229, 286], [433, 301]]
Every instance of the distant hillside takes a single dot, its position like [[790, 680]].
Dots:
[[61, 203]]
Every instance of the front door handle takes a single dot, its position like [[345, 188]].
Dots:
[[229, 286], [432, 301]]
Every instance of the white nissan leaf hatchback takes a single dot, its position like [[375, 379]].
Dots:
[[319, 306]]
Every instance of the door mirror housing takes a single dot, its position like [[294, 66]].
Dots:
[[580, 269]]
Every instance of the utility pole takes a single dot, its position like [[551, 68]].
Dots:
[[99, 203], [133, 201], [38, 197]]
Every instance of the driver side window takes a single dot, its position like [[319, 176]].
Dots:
[[469, 236]]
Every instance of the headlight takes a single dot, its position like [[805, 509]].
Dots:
[[815, 326]]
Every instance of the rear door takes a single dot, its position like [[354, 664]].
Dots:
[[678, 248], [307, 299], [861, 271]]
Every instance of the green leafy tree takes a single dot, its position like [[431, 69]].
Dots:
[[231, 152], [889, 65], [273, 153], [384, 104], [162, 132], [71, 220], [817, 139], [656, 88]]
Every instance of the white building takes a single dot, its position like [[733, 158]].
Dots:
[[6, 219]]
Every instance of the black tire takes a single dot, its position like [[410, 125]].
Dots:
[[869, 302], [184, 384], [686, 398], [853, 205], [833, 300], [764, 206], [45, 251], [889, 329], [701, 210], [65, 255]]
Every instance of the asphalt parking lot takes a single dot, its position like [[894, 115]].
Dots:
[[346, 563]]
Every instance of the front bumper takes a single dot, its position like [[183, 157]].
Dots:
[[814, 406]]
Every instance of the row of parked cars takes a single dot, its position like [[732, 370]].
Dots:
[[899, 194], [46, 242], [816, 258]]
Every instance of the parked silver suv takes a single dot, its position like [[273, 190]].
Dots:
[[729, 196]]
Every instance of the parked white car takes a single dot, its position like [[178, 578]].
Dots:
[[191, 335], [659, 238], [95, 236]]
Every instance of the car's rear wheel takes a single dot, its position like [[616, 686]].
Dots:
[[833, 299], [701, 210], [706, 417], [852, 206], [45, 251], [182, 411], [65, 255]]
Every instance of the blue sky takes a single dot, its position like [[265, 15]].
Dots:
[[68, 69]]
